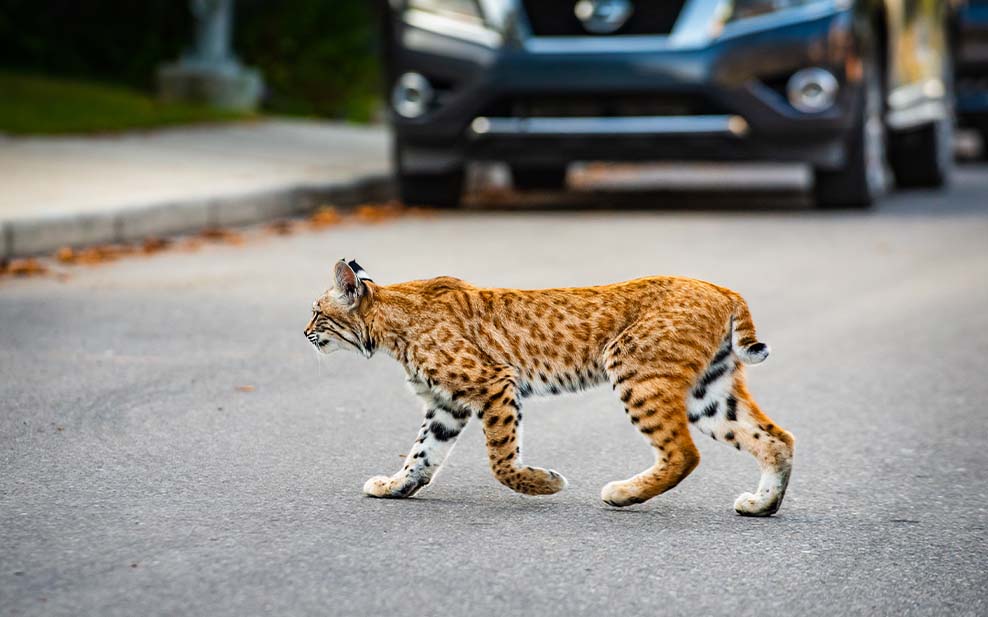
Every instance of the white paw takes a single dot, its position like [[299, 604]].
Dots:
[[561, 481], [619, 494], [378, 486], [748, 504]]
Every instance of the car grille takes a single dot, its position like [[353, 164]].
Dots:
[[557, 18], [604, 105]]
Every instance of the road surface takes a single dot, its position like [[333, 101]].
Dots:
[[137, 479]]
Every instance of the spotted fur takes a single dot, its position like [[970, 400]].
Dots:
[[672, 348]]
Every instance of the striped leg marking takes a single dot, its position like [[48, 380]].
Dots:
[[436, 438]]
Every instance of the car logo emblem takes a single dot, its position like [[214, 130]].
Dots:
[[603, 16]]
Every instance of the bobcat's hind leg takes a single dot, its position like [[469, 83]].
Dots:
[[654, 395], [772, 446], [737, 420]]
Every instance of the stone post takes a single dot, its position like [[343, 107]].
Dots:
[[210, 73]]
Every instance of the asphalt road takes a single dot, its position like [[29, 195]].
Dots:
[[136, 479]]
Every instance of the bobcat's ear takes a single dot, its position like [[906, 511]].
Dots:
[[347, 285], [359, 270]]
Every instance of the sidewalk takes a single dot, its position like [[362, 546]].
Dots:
[[57, 191]]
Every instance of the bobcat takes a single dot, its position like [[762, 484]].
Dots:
[[671, 347]]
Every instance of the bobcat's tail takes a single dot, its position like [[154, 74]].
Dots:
[[743, 340]]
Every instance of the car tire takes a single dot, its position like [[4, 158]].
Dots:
[[439, 190], [865, 175], [924, 157], [432, 189], [538, 178]]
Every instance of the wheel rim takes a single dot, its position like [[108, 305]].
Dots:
[[875, 148]]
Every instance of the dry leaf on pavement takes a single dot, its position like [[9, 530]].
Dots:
[[377, 213], [325, 216], [221, 234], [155, 245], [282, 228], [23, 267]]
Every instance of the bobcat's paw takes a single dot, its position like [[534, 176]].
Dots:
[[532, 480], [556, 482], [765, 504], [540, 481], [378, 486], [393, 488], [620, 493]]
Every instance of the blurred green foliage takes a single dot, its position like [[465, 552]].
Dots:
[[317, 56], [43, 105]]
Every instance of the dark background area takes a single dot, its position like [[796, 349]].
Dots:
[[318, 57]]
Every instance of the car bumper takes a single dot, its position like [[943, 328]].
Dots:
[[739, 79]]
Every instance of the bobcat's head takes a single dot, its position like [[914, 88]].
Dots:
[[336, 321]]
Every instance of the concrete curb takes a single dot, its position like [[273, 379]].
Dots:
[[40, 235]]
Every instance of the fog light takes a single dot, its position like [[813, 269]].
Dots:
[[738, 126], [411, 95], [812, 90]]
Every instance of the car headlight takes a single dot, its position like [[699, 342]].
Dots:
[[743, 9], [463, 10]]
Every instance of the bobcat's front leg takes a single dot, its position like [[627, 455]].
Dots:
[[501, 417], [437, 435]]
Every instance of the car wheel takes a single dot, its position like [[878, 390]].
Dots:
[[535, 178], [441, 190], [924, 157], [864, 178]]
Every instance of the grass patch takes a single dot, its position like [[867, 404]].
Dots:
[[45, 105]]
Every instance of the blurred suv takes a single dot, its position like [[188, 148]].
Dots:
[[858, 89], [972, 68]]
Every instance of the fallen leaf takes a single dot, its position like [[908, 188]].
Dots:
[[191, 244], [282, 228], [246, 388], [155, 245], [220, 234], [24, 267], [65, 255], [94, 254], [377, 213], [325, 216]]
